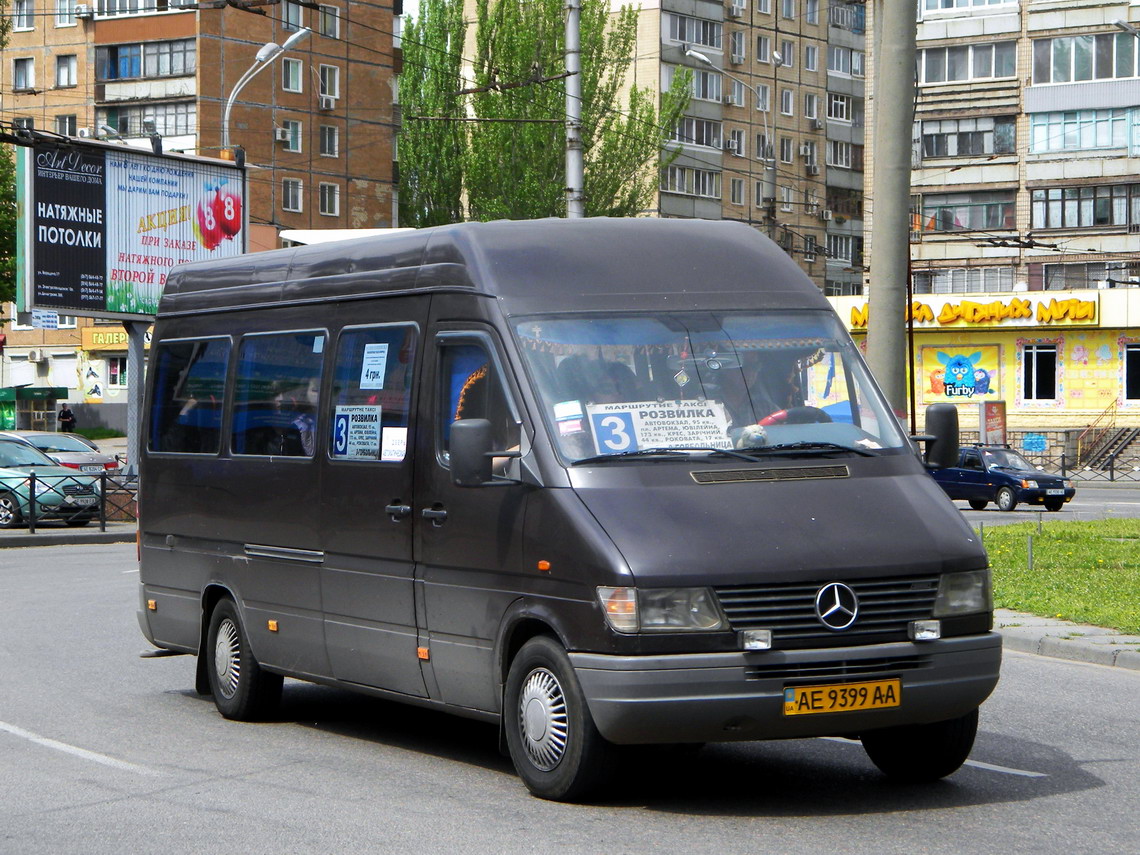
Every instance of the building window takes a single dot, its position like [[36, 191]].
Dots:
[[963, 280], [118, 62], [736, 143], [1086, 207], [838, 60], [980, 211], [839, 154], [328, 22], [786, 147], [117, 371], [175, 119], [290, 15], [967, 62], [787, 197], [763, 147], [787, 102], [736, 93], [737, 48], [24, 15], [1069, 59], [788, 9], [763, 97], [66, 125], [705, 85], [691, 182], [763, 49], [1078, 129], [330, 81], [292, 75], [1039, 377], [695, 31], [811, 57], [811, 105], [66, 71], [698, 132], [65, 13], [1132, 372], [736, 197], [170, 59], [787, 54], [1096, 274], [840, 247], [811, 11], [968, 137], [294, 129], [23, 74], [839, 107], [329, 199], [330, 141], [291, 194]]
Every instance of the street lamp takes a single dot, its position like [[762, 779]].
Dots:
[[1128, 28], [268, 52], [769, 162]]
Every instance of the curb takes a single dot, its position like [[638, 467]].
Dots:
[[1061, 639], [115, 533]]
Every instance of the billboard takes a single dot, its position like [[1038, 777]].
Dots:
[[960, 373], [101, 225]]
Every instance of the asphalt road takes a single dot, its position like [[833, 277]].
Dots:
[[1090, 503], [104, 752]]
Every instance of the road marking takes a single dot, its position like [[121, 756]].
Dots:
[[127, 572], [977, 764], [81, 753]]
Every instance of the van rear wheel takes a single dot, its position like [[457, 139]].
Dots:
[[242, 690], [920, 753], [554, 745]]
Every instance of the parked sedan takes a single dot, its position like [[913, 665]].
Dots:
[[69, 449], [987, 474], [60, 493]]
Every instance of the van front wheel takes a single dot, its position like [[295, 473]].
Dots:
[[242, 690], [555, 746], [919, 753]]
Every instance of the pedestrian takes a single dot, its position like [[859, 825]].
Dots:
[[66, 420]]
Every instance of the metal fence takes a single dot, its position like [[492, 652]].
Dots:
[[1116, 467], [78, 500]]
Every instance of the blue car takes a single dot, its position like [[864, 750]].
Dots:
[[987, 473]]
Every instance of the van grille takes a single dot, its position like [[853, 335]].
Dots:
[[886, 606], [844, 669], [799, 473]]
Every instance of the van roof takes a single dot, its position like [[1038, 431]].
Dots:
[[531, 266]]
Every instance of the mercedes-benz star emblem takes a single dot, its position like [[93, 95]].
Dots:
[[836, 605]]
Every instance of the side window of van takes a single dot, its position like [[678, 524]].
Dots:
[[372, 392], [276, 394], [471, 389], [189, 391]]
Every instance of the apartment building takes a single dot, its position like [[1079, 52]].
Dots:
[[1026, 208], [316, 124], [773, 135]]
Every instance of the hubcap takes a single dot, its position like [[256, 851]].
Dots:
[[542, 719], [7, 512], [227, 657]]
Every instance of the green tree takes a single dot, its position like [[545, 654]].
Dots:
[[511, 166]]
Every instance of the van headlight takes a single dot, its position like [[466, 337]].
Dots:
[[631, 610], [964, 594]]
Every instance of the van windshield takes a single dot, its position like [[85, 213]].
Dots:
[[760, 383]]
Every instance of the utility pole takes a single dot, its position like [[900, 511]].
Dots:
[[894, 92], [575, 202]]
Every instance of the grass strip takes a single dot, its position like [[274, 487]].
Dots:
[[1087, 572]]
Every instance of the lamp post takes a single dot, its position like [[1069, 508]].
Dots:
[[769, 175], [268, 52]]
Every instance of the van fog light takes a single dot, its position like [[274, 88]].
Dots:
[[925, 630], [756, 639]]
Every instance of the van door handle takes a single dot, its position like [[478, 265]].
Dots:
[[436, 515], [397, 511]]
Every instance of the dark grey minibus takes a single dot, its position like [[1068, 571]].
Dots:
[[603, 482]]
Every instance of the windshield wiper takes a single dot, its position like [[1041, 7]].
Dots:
[[806, 447], [674, 452]]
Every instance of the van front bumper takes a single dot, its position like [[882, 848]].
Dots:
[[720, 697]]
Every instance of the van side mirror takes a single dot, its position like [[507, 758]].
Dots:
[[942, 436], [470, 451]]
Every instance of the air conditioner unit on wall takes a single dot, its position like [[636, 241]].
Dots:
[[327, 102], [813, 169], [825, 214], [85, 133], [735, 12], [281, 134], [83, 11], [817, 124], [36, 355]]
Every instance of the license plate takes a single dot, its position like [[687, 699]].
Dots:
[[83, 501], [842, 697], [1054, 492], [91, 467]]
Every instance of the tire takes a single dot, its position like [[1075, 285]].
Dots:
[[75, 522], [1006, 499], [10, 514], [921, 753], [554, 745], [242, 690], [1054, 504], [978, 504]]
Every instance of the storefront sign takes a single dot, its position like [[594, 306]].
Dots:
[[106, 338], [991, 422], [1009, 312], [960, 374]]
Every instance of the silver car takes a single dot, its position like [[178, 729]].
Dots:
[[68, 449]]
